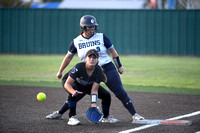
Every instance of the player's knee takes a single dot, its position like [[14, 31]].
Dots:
[[126, 100]]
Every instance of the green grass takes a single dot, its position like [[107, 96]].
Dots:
[[163, 74]]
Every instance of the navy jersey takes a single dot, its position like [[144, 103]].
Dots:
[[79, 74], [98, 41]]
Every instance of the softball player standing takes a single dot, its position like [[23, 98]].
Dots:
[[87, 40]]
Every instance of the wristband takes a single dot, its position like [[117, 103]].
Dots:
[[117, 62], [94, 98]]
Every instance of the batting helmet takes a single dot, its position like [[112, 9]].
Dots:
[[88, 20]]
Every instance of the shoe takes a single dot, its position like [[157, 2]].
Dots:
[[109, 119], [73, 121], [54, 115], [137, 117]]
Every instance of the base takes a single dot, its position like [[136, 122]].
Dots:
[[163, 122]]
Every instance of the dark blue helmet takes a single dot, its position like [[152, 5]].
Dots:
[[88, 20]]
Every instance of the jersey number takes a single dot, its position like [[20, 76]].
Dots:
[[98, 49]]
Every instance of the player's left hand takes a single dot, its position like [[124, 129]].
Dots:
[[121, 70], [94, 114]]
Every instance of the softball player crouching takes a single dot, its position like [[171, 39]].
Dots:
[[85, 78]]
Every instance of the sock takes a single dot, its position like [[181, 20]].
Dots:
[[105, 110], [64, 108], [72, 111], [127, 102]]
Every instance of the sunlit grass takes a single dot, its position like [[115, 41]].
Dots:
[[164, 74]]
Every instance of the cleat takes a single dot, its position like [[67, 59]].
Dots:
[[109, 119], [137, 117], [73, 121], [54, 115]]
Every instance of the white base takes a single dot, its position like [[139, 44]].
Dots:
[[163, 122]]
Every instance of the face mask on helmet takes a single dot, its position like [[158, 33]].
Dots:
[[88, 20]]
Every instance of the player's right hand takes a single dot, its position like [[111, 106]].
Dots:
[[59, 75], [76, 93]]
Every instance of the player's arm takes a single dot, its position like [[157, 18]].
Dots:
[[94, 94], [116, 60], [67, 59], [113, 53], [64, 64], [68, 86]]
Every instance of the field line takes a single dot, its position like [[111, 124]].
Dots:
[[184, 116], [152, 125]]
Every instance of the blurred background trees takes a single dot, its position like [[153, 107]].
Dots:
[[147, 4], [15, 3]]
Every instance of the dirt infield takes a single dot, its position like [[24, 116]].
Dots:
[[22, 113]]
